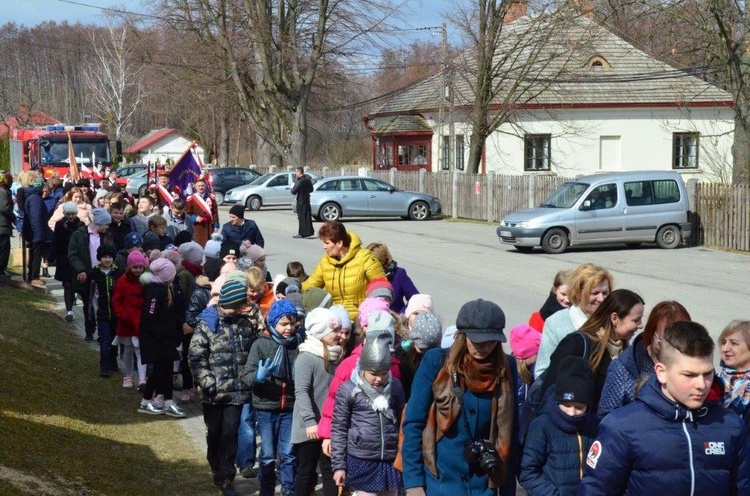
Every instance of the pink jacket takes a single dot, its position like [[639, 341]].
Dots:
[[343, 374]]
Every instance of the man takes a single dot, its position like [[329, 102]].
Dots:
[[676, 437], [238, 229], [203, 211], [145, 210], [302, 188]]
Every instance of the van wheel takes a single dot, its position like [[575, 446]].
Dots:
[[668, 237], [524, 249], [555, 241]]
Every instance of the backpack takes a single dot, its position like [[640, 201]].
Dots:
[[536, 398]]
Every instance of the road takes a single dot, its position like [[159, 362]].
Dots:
[[458, 261]]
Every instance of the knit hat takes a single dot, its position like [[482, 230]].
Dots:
[[296, 300], [191, 252], [173, 256], [70, 208], [238, 210], [376, 352], [254, 252], [343, 314], [244, 263], [217, 284], [382, 321], [481, 321], [575, 381], [369, 306], [279, 309], [232, 295], [132, 240], [320, 322], [418, 303], [101, 217], [213, 246], [150, 241], [525, 341], [316, 297], [379, 287], [105, 251], [229, 248], [427, 331], [163, 270], [137, 258], [183, 237], [237, 276], [288, 285]]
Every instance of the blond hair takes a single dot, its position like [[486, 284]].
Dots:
[[585, 278]]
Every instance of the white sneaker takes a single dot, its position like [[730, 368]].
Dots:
[[172, 410], [150, 408]]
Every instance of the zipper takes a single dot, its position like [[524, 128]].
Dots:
[[580, 456], [690, 452], [382, 436]]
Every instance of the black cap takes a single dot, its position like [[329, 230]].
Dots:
[[105, 250], [150, 241], [238, 210], [229, 248], [182, 237], [481, 321], [575, 381]]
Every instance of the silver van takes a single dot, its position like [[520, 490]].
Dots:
[[623, 207]]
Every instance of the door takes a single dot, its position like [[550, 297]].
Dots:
[[351, 197], [380, 199], [278, 190], [599, 217]]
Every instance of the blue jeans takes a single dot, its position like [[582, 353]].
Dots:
[[275, 430], [105, 341], [246, 438]]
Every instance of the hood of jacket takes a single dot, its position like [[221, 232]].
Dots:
[[651, 395], [31, 191], [354, 247], [210, 317]]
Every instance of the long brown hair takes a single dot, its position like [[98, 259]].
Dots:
[[524, 372], [459, 350], [667, 311], [620, 302]]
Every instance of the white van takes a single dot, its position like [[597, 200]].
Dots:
[[623, 207]]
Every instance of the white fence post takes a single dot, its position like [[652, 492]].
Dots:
[[422, 173], [490, 193], [454, 194], [392, 175], [532, 190]]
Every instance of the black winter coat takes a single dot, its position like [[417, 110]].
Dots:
[[119, 231], [367, 434], [35, 217], [160, 327], [6, 212], [102, 288], [199, 298], [58, 253]]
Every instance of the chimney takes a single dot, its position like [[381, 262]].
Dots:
[[516, 9]]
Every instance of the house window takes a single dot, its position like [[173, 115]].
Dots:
[[385, 156], [685, 150], [445, 160], [460, 152], [412, 154], [537, 157]]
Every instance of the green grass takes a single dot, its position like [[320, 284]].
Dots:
[[64, 430]]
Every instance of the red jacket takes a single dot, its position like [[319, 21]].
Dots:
[[127, 303]]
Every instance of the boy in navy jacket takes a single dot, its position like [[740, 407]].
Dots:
[[676, 437], [102, 279]]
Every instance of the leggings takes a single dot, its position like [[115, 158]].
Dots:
[[68, 295], [127, 356], [160, 381]]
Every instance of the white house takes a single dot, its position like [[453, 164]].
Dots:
[[159, 145], [611, 108]]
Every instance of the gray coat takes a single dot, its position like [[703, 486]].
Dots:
[[367, 434], [311, 381], [6, 212]]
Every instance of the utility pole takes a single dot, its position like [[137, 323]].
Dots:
[[441, 108]]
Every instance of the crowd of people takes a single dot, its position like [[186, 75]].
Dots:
[[349, 377]]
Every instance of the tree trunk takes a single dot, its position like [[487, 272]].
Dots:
[[298, 146], [224, 140], [476, 145]]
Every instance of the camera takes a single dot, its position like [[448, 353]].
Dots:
[[482, 454]]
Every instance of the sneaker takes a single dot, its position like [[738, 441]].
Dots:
[[227, 489], [89, 338], [104, 373], [249, 473], [6, 275], [69, 317], [127, 382], [172, 410], [38, 283], [150, 409]]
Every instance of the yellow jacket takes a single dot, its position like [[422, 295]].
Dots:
[[346, 279]]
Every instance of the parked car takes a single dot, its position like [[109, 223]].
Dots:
[[124, 172], [625, 207], [354, 196], [136, 184], [226, 178], [272, 189]]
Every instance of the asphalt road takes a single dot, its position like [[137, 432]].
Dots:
[[458, 261]]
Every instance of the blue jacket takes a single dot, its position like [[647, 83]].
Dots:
[[622, 376], [248, 230], [35, 217], [655, 446], [455, 477], [555, 451]]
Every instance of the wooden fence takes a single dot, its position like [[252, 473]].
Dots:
[[722, 216]]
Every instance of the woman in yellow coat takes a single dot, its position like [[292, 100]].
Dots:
[[346, 268]]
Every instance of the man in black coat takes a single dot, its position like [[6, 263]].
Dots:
[[302, 188]]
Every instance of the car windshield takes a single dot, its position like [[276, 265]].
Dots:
[[262, 179], [566, 195], [87, 150]]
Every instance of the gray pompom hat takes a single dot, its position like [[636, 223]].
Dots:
[[376, 352]]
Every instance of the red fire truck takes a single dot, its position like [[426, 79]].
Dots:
[[46, 148]]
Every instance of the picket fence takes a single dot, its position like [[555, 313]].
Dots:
[[720, 213]]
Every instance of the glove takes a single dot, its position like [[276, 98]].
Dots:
[[265, 369]]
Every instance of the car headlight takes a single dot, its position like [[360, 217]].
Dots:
[[523, 224]]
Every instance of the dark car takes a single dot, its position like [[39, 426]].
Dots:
[[226, 178]]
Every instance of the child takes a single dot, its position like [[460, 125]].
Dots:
[[120, 225], [269, 373], [127, 302], [218, 354], [366, 419], [103, 278], [157, 230], [58, 254], [177, 220], [426, 333], [259, 291], [144, 212], [558, 440], [524, 343], [297, 270], [557, 300]]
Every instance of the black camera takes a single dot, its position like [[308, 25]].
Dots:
[[482, 454]]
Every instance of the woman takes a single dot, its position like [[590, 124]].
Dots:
[[403, 287], [84, 209], [35, 230], [439, 422], [58, 254], [588, 286], [637, 362], [607, 333], [6, 222], [735, 366], [346, 268]]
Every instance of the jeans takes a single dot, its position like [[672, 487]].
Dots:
[[275, 430], [246, 438], [221, 438]]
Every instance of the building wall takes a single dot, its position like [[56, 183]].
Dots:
[[171, 147]]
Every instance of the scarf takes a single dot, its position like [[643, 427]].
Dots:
[[194, 269], [284, 371], [477, 377], [315, 346], [390, 271], [378, 398], [736, 389], [614, 348]]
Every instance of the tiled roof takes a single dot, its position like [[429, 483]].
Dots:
[[561, 75], [404, 124], [26, 118], [152, 137]]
